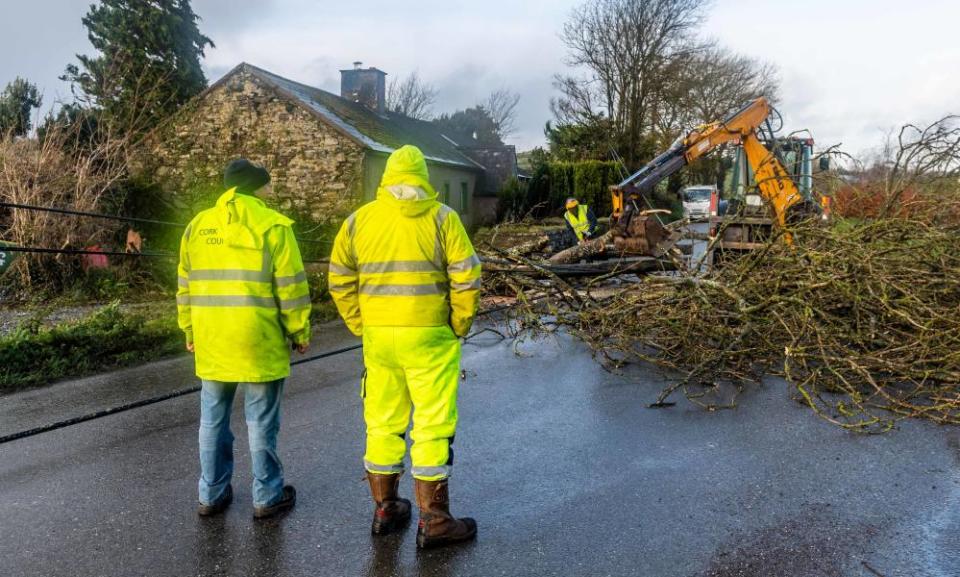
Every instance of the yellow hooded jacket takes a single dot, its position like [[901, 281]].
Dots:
[[405, 260], [242, 291]]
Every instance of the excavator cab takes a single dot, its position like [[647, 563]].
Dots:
[[742, 216], [742, 195]]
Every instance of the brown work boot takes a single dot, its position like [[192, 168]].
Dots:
[[437, 526], [392, 512]]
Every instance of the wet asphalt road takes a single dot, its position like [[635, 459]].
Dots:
[[562, 464]]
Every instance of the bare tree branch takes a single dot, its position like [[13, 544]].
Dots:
[[411, 97], [502, 106], [625, 47]]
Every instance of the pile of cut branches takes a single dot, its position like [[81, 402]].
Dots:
[[862, 319]]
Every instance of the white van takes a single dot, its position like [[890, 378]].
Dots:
[[696, 201]]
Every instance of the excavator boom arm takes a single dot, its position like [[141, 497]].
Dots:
[[773, 180]]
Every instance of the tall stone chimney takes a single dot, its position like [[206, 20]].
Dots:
[[368, 86]]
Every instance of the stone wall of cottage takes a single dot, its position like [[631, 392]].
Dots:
[[317, 172]]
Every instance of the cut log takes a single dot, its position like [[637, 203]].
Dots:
[[532, 246], [583, 250], [641, 235]]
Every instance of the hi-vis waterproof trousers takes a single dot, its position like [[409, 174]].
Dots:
[[406, 367]]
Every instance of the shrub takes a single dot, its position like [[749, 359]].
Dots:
[[512, 201], [108, 339], [59, 170]]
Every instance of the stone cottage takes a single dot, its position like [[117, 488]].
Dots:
[[326, 153]]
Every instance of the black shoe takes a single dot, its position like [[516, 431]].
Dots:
[[219, 507], [287, 500]]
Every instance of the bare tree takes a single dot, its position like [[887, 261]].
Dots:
[[62, 170], [709, 85], [502, 106], [925, 162], [729, 80], [624, 48], [411, 97], [578, 105]]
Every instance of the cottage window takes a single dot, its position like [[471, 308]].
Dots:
[[464, 198]]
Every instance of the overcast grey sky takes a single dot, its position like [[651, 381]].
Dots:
[[851, 69]]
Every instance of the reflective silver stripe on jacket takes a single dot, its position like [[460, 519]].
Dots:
[[465, 286], [465, 265], [265, 274], [342, 287], [287, 304], [443, 470], [186, 253], [385, 469], [437, 288], [283, 281], [351, 225], [230, 274], [439, 252], [267, 263], [183, 281], [227, 301], [341, 270], [351, 232], [398, 266]]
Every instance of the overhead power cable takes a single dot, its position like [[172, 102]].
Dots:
[[129, 219], [77, 251], [89, 214]]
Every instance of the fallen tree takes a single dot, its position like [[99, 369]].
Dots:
[[863, 321], [861, 316]]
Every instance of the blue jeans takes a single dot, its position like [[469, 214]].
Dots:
[[262, 411]]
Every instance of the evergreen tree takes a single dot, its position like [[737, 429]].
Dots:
[[148, 63], [17, 101]]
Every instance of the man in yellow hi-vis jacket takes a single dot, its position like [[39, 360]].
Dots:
[[404, 275], [242, 298]]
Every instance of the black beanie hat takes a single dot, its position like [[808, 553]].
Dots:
[[245, 176]]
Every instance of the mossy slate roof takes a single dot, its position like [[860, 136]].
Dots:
[[379, 133]]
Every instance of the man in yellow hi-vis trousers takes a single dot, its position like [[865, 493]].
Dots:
[[242, 300], [404, 275]]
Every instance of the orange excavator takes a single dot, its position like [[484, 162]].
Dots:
[[639, 232], [634, 229]]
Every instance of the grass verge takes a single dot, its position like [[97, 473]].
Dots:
[[110, 338]]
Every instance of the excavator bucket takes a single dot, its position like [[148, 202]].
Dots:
[[644, 235], [641, 235]]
